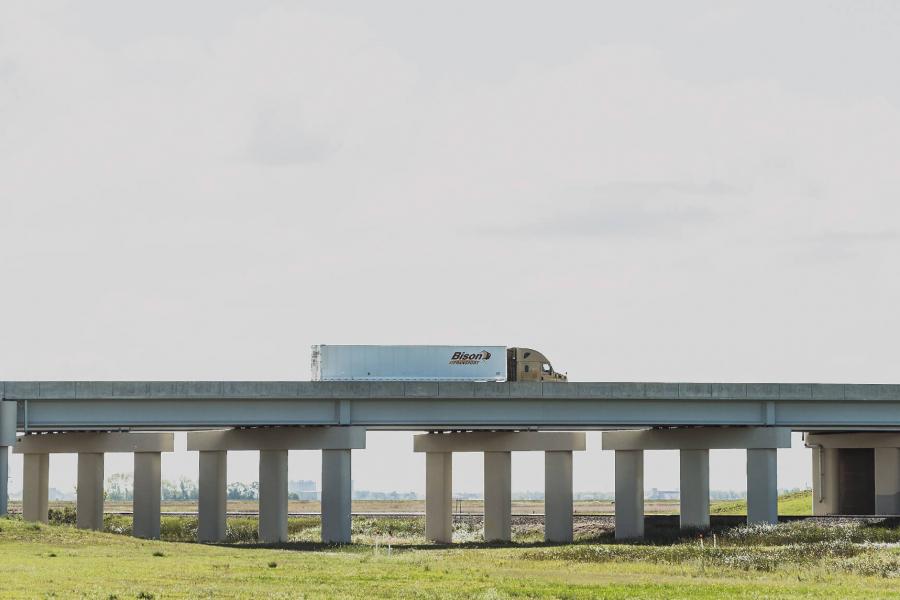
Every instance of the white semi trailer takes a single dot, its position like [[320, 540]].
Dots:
[[430, 363]]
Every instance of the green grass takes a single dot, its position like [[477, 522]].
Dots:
[[795, 560], [243, 530], [793, 504]]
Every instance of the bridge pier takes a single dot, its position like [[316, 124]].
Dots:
[[694, 486], [439, 497], [91, 448], [273, 444], [146, 503], [212, 489], [497, 448], [558, 496], [694, 444], [273, 496], [629, 506], [762, 485], [855, 473], [35, 487], [336, 496], [7, 439], [4, 480], [89, 501], [497, 496]]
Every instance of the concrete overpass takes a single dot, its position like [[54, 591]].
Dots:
[[166, 405], [493, 418]]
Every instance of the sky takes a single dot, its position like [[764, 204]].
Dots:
[[644, 191]]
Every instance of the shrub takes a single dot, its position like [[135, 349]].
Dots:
[[117, 524], [242, 530], [179, 529], [389, 527], [66, 516]]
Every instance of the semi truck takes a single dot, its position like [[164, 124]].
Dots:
[[430, 363]]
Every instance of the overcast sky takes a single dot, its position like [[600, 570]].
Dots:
[[642, 190]]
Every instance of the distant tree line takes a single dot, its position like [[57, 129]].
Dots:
[[242, 491], [120, 487], [183, 489]]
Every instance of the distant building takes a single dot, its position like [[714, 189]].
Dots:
[[656, 494], [305, 489]]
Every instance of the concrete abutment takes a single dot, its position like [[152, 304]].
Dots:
[[887, 481], [855, 473], [7, 440]]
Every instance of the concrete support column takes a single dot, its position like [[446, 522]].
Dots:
[[89, 499], [497, 447], [694, 489], [7, 439], [558, 496], [439, 497], [147, 483], [825, 481], [762, 485], [273, 496], [4, 480], [35, 487], [497, 496], [629, 494], [213, 495], [887, 481], [336, 496], [273, 444]]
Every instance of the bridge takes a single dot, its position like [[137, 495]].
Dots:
[[852, 428], [425, 406]]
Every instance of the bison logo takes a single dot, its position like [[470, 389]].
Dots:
[[462, 358]]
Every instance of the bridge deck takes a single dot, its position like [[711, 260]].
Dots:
[[88, 405]]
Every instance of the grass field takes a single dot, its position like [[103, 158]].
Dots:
[[786, 561], [797, 504], [389, 558]]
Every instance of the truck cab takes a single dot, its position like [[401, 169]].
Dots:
[[526, 364]]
